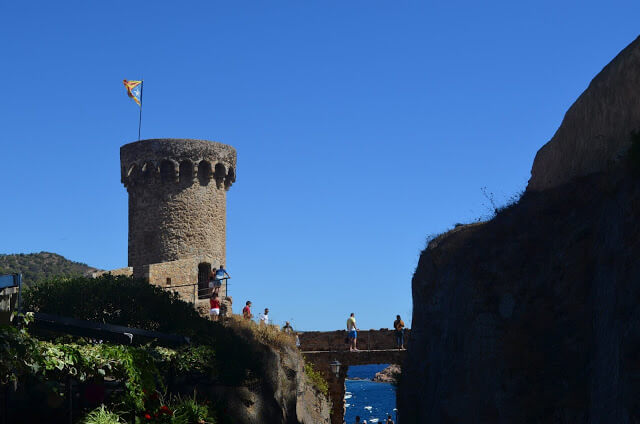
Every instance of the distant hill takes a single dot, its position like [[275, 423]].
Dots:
[[38, 266]]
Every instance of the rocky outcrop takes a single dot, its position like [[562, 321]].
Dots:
[[280, 393], [534, 316], [284, 395], [388, 375], [594, 134]]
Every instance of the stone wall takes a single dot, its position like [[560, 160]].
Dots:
[[595, 132], [177, 199], [179, 276], [335, 340]]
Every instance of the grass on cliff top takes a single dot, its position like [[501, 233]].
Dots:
[[270, 335]]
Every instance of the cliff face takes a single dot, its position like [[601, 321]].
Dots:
[[534, 316], [281, 393], [284, 395], [594, 134]]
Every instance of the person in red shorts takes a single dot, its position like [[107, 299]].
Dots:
[[214, 312]]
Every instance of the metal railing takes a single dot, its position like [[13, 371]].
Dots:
[[199, 293]]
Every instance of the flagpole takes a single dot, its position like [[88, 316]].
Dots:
[[140, 121]]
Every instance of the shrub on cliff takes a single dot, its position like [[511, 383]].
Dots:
[[317, 380], [132, 302]]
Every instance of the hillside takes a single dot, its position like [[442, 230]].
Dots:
[[38, 266]]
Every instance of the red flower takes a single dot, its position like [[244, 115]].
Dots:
[[165, 409], [147, 416]]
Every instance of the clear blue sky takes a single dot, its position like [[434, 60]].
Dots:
[[361, 127]]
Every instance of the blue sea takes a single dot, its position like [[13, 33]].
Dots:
[[372, 401]]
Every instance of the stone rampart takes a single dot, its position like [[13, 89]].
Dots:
[[335, 340]]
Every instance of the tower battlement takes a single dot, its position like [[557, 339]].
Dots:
[[179, 161]]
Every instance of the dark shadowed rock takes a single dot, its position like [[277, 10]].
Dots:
[[534, 316], [594, 134]]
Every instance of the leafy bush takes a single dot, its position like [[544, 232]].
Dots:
[[317, 380], [102, 415], [23, 355], [188, 411], [118, 300]]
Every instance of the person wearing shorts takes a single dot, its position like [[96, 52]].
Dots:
[[352, 332], [214, 312], [221, 274]]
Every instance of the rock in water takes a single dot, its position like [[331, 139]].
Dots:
[[534, 316], [388, 375], [594, 133]]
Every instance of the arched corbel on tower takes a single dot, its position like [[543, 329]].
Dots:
[[230, 179], [219, 174], [149, 171], [204, 172], [168, 171], [186, 172]]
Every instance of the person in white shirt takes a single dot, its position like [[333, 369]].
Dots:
[[264, 318]]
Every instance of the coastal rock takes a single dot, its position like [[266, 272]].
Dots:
[[388, 375], [534, 316], [594, 134], [280, 394]]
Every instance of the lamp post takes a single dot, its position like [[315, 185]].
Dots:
[[335, 368]]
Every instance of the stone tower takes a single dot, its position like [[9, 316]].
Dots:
[[177, 208]]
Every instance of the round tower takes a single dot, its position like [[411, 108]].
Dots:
[[177, 199]]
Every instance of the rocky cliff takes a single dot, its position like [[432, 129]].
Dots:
[[534, 316], [594, 134], [283, 395]]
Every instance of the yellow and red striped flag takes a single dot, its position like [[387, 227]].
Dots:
[[133, 90]]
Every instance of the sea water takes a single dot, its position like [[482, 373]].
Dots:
[[370, 400]]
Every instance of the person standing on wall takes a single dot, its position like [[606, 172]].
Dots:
[[398, 324], [221, 274], [352, 332], [246, 311], [214, 312], [264, 318], [212, 278]]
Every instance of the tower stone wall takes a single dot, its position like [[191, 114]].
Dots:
[[177, 204]]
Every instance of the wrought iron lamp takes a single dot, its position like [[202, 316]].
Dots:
[[335, 367]]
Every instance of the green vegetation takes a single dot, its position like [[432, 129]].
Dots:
[[142, 375], [40, 266], [316, 379], [102, 415]]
